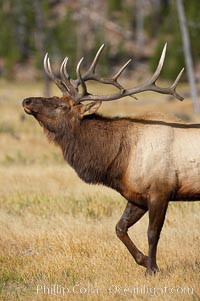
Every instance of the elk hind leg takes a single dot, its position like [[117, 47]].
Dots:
[[157, 212], [130, 216]]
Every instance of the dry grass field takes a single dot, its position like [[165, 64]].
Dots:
[[57, 234]]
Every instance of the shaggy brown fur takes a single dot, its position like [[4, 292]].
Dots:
[[150, 160]]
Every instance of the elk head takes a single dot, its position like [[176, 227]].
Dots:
[[53, 113]]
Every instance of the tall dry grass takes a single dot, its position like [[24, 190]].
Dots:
[[57, 232]]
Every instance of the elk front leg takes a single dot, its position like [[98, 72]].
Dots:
[[129, 217], [157, 211]]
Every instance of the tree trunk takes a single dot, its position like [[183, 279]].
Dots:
[[187, 54], [139, 27], [40, 39]]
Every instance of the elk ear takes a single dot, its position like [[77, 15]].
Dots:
[[68, 100], [89, 108]]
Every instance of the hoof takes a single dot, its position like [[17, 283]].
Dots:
[[152, 271]]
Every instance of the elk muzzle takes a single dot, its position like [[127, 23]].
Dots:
[[27, 104]]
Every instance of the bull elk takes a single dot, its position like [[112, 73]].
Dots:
[[150, 159]]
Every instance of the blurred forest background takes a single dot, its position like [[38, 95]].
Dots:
[[76, 28], [135, 29]]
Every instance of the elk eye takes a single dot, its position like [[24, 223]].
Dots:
[[61, 106]]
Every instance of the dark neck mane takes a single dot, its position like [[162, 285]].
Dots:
[[95, 147]]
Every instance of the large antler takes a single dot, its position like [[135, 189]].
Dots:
[[69, 86]]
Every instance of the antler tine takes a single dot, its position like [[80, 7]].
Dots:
[[47, 67], [159, 67], [174, 85], [95, 61], [117, 75], [90, 74], [66, 78], [45, 64], [63, 71], [81, 80]]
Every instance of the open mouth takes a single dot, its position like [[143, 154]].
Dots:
[[27, 110]]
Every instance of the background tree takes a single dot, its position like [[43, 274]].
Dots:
[[187, 53], [41, 38]]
